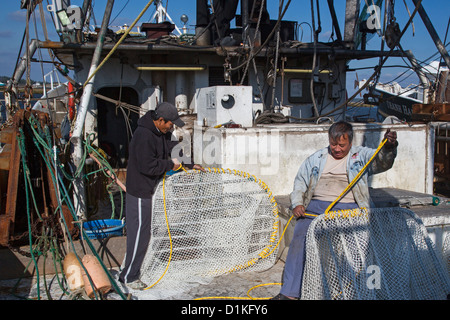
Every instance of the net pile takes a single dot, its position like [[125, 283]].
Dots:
[[220, 221], [381, 254]]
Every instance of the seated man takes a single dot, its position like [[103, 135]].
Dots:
[[321, 179]]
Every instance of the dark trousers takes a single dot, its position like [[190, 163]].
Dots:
[[295, 260], [138, 222]]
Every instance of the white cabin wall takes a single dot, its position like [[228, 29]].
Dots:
[[274, 153]]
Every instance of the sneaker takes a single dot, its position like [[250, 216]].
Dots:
[[136, 285]]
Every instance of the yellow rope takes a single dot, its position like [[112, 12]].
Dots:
[[261, 285], [168, 231], [357, 177]]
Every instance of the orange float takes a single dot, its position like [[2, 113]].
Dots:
[[100, 281]]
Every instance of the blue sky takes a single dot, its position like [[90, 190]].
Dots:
[[12, 20]]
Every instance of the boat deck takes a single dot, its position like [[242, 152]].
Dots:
[[434, 212]]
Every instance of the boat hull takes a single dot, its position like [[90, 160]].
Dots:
[[395, 105]]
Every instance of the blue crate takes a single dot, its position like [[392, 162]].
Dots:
[[103, 228]]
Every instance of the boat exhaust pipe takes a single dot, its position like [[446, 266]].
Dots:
[[202, 31]]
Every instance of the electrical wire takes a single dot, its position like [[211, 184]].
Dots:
[[377, 70]]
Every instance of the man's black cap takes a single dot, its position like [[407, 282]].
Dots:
[[168, 112]]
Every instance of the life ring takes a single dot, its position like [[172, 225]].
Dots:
[[71, 102]]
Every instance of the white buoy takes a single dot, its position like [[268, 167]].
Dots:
[[73, 272]]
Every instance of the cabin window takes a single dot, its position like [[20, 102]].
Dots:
[[299, 91]]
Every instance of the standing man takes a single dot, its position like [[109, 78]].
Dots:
[[321, 179], [149, 158]]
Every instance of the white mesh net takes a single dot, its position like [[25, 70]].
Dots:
[[372, 254], [446, 252], [220, 221]]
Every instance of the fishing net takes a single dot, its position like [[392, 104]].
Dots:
[[381, 254], [446, 252], [210, 223]]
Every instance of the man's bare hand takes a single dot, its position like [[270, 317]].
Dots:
[[391, 137], [176, 164], [199, 167], [299, 211]]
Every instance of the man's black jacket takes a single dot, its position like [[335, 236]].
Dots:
[[148, 159]]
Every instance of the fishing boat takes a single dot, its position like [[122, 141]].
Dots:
[[255, 98], [394, 100]]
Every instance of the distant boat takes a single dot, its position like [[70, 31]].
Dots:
[[395, 100]]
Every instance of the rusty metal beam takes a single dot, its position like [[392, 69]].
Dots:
[[431, 112]]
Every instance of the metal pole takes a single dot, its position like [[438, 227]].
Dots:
[[77, 135], [84, 9], [11, 87], [351, 17], [430, 152], [244, 15], [18, 73], [423, 79], [335, 20], [439, 45]]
